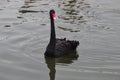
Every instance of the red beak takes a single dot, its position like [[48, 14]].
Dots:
[[54, 16]]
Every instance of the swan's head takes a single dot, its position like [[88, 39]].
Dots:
[[52, 14]]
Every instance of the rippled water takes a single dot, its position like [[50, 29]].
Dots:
[[24, 35]]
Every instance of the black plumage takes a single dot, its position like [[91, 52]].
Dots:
[[58, 47]]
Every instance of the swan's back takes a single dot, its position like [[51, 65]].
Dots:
[[64, 47]]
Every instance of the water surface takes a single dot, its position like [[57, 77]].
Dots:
[[24, 35]]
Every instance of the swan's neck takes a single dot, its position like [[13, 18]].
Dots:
[[52, 35]]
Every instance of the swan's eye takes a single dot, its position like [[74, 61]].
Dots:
[[53, 15]]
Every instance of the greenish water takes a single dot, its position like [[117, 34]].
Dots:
[[24, 35]]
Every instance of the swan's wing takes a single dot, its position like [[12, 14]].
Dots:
[[64, 46], [69, 44]]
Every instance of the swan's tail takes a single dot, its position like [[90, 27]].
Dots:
[[73, 43]]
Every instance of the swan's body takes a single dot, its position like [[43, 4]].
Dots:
[[58, 47]]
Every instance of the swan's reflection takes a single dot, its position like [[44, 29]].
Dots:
[[51, 62]]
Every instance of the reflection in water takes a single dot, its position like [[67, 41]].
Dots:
[[51, 62], [67, 29], [27, 11], [51, 65], [29, 1], [73, 10], [26, 6]]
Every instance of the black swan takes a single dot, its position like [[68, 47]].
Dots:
[[58, 47]]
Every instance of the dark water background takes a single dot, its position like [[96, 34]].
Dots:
[[24, 35]]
